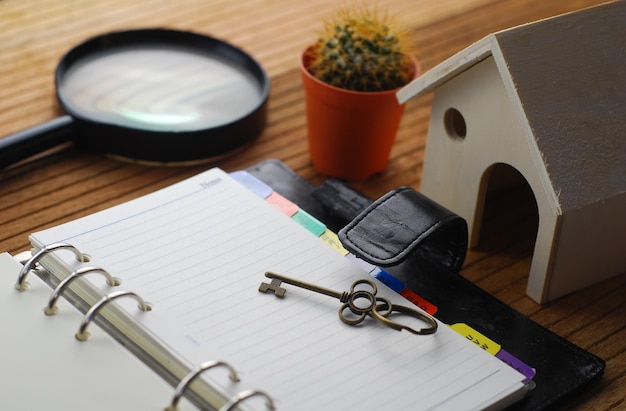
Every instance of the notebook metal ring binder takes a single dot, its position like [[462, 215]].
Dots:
[[195, 373], [21, 284], [244, 395], [51, 308], [82, 333]]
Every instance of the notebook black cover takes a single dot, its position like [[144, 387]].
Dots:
[[561, 367]]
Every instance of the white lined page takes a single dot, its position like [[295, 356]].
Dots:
[[198, 250], [45, 368]]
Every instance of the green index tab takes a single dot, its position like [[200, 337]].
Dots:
[[309, 222]]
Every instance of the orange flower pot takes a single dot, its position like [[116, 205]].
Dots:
[[350, 133]]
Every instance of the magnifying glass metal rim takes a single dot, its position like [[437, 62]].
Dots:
[[142, 145]]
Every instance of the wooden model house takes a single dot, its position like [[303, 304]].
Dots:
[[545, 104]]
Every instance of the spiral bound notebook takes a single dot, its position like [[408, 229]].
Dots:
[[197, 251]]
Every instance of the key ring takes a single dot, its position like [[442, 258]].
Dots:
[[389, 307]]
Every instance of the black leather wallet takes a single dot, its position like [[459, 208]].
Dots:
[[423, 245]]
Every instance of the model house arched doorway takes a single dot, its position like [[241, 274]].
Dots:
[[506, 212]]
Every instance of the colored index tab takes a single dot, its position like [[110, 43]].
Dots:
[[281, 203], [419, 301], [362, 264], [517, 364], [252, 183], [309, 222], [332, 240], [477, 338], [389, 280]]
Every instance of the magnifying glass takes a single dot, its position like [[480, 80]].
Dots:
[[154, 96]]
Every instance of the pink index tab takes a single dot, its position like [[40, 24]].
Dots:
[[252, 183], [309, 222], [332, 240], [477, 338], [281, 203]]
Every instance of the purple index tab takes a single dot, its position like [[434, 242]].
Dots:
[[364, 265], [515, 363], [252, 183]]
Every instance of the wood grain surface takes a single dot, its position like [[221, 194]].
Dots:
[[68, 182]]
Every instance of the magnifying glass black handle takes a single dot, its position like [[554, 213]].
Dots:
[[34, 140]]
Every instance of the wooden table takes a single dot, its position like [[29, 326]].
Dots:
[[68, 183]]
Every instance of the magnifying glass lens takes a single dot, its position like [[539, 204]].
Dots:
[[159, 88]]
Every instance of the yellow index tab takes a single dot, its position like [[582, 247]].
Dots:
[[477, 338], [330, 238]]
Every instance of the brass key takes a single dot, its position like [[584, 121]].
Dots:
[[378, 308], [348, 298]]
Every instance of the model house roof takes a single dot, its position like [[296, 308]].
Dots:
[[566, 77]]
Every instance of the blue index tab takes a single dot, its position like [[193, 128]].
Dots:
[[389, 280], [252, 183], [309, 222]]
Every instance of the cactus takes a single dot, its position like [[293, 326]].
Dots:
[[361, 50]]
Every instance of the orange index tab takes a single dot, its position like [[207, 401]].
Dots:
[[330, 238], [281, 203], [477, 338]]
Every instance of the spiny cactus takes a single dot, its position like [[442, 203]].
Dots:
[[361, 50]]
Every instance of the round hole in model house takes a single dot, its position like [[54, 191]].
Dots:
[[454, 123]]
